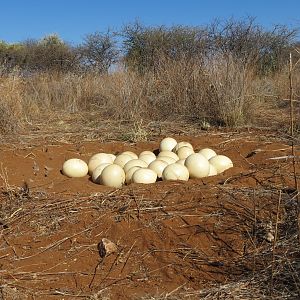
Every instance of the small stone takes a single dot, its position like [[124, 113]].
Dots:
[[269, 237], [106, 247]]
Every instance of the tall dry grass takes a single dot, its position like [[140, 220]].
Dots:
[[11, 103], [222, 91]]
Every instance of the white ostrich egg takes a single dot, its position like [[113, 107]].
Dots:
[[112, 176], [169, 160], [207, 153], [122, 159], [147, 158], [144, 176], [130, 153], [147, 152], [135, 163], [184, 152], [168, 153], [98, 159], [175, 172], [75, 167], [129, 173], [97, 172], [182, 144], [112, 156], [180, 161], [167, 144], [221, 163], [197, 165], [212, 170], [158, 166]]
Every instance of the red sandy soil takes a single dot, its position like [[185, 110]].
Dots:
[[173, 238]]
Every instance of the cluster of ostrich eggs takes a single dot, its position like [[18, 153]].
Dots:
[[175, 161]]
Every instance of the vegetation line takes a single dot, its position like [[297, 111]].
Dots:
[[228, 74]]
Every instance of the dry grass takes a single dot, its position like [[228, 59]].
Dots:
[[11, 103], [221, 92]]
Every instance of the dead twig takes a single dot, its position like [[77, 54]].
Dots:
[[275, 241]]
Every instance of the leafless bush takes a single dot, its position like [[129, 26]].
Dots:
[[249, 42], [145, 46], [246, 41], [98, 52]]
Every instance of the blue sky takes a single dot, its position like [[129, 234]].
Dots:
[[73, 19]]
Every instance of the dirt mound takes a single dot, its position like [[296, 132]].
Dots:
[[173, 239]]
